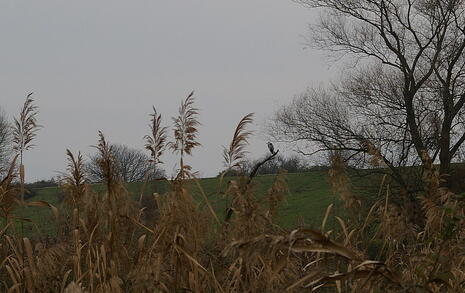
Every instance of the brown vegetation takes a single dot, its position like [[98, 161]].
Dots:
[[105, 244]]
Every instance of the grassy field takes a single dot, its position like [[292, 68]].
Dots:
[[309, 195]]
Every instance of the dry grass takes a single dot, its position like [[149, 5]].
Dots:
[[106, 246]]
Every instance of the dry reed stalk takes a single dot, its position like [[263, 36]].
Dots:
[[107, 163], [207, 201], [156, 141], [326, 216], [235, 154], [24, 131], [276, 194], [8, 193], [274, 259], [246, 185], [185, 134], [181, 234], [38, 269], [75, 180], [109, 250], [252, 269], [341, 184]]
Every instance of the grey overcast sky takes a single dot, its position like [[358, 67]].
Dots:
[[101, 65]]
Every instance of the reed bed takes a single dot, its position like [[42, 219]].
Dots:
[[106, 244]]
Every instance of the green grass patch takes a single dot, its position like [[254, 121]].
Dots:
[[309, 195]]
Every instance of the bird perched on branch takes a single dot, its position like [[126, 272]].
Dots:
[[271, 147]]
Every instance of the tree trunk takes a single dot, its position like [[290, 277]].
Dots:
[[444, 158], [444, 141]]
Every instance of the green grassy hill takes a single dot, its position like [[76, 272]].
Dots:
[[309, 195]]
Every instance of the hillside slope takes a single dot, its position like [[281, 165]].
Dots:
[[309, 195]]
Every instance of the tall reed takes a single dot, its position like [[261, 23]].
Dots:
[[24, 131], [185, 134], [106, 247]]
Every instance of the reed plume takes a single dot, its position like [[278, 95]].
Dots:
[[107, 248], [234, 155], [107, 162], [75, 179], [24, 131], [185, 133], [156, 141]]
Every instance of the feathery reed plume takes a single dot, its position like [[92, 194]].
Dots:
[[75, 180], [247, 183], [24, 131], [185, 133], [106, 161], [156, 141], [104, 246], [234, 155]]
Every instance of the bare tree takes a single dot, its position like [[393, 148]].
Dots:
[[321, 121], [5, 142], [132, 165], [404, 101]]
